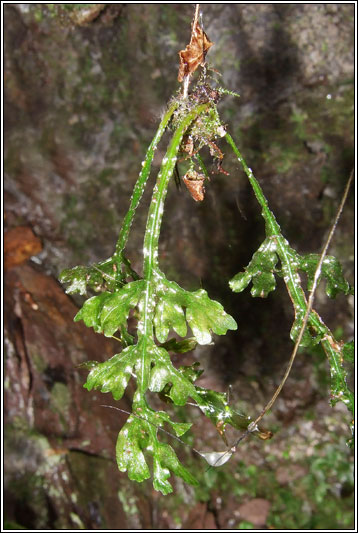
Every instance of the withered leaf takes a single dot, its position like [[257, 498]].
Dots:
[[195, 184], [194, 53]]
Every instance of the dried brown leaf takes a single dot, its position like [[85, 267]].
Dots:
[[194, 53], [195, 184]]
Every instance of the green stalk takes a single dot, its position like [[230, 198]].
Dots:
[[273, 229], [293, 283], [334, 356], [155, 214], [272, 226], [151, 242], [202, 165], [141, 183]]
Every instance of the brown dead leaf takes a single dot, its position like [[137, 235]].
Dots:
[[195, 184], [194, 53]]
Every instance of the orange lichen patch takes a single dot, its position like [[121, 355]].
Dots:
[[50, 452], [19, 245]]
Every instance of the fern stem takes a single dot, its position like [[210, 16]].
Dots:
[[151, 242], [301, 305], [155, 214], [273, 229], [141, 183], [291, 277], [272, 226]]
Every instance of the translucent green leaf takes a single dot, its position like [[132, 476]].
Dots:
[[160, 478], [159, 377], [180, 428], [216, 407], [186, 345], [239, 282], [335, 352], [260, 271], [96, 276], [191, 372], [169, 315], [331, 271], [113, 375], [338, 389], [163, 372], [348, 351], [76, 277], [159, 417], [116, 307], [91, 310], [265, 257], [108, 312], [131, 439], [105, 274], [308, 339], [205, 316], [137, 438], [165, 459], [180, 392], [263, 283], [126, 338]]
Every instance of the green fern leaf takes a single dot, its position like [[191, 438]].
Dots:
[[260, 271], [113, 375], [108, 312]]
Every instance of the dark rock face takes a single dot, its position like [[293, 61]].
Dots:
[[57, 434], [84, 90]]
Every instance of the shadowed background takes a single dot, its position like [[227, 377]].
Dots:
[[85, 87]]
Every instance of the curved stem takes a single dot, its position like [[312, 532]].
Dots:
[[151, 241], [327, 347], [291, 278], [296, 292], [155, 214], [141, 182], [272, 226]]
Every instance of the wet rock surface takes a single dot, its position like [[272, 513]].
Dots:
[[84, 91]]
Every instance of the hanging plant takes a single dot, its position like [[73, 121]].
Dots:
[[161, 306]]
